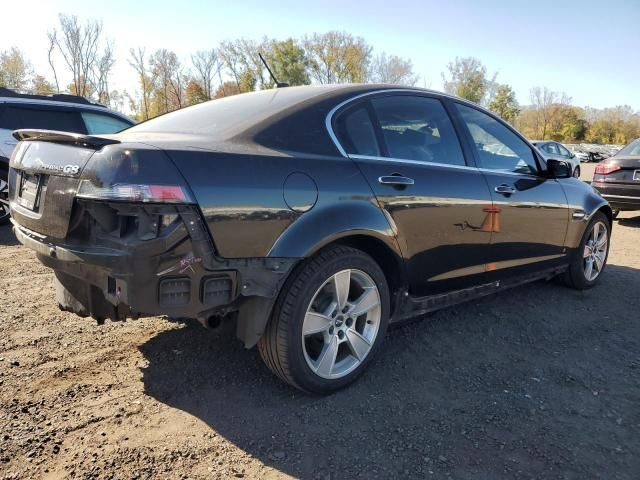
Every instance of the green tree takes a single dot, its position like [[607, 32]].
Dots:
[[468, 79], [288, 61], [504, 103]]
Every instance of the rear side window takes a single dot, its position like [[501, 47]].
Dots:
[[19, 116], [498, 147], [418, 128], [97, 123], [551, 148], [356, 133]]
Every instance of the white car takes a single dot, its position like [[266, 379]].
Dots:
[[557, 151], [68, 113]]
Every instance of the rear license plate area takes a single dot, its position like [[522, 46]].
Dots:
[[29, 191]]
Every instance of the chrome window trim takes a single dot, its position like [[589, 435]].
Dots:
[[329, 118], [438, 164], [411, 162]]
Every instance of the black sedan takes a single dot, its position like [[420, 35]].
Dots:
[[313, 217], [618, 178]]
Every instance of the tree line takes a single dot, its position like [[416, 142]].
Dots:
[[166, 82]]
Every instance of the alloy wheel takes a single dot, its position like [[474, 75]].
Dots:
[[595, 251], [4, 199], [341, 323]]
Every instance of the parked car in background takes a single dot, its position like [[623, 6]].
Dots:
[[62, 112], [557, 151], [311, 216], [618, 178]]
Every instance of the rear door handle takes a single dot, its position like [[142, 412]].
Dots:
[[396, 180], [505, 190]]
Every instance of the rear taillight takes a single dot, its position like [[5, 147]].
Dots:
[[134, 193], [143, 174], [605, 168]]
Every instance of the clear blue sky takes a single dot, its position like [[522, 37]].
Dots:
[[588, 49]]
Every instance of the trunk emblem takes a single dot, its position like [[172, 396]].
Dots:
[[67, 169]]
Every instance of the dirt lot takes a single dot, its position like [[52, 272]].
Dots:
[[539, 382]]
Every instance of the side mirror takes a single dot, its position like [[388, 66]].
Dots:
[[558, 168]]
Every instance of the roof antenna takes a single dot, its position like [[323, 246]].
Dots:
[[273, 77]]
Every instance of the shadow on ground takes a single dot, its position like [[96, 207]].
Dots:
[[7, 238], [540, 381], [629, 222]]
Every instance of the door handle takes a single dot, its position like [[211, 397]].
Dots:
[[396, 180], [8, 142], [505, 190]]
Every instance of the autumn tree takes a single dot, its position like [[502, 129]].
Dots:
[[170, 81], [392, 69], [15, 70], [207, 66], [146, 82], [337, 57], [504, 103], [194, 93], [41, 86], [84, 54], [227, 89], [468, 79]]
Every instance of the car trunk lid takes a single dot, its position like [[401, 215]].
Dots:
[[44, 176]]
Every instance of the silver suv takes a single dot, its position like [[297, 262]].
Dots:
[[68, 113]]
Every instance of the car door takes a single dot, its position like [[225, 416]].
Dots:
[[532, 210], [437, 202]]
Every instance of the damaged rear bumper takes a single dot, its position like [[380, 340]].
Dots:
[[175, 273]]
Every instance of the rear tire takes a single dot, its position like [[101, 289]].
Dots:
[[313, 343], [615, 213], [590, 258], [576, 172], [4, 196]]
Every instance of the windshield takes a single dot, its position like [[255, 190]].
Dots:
[[633, 149]]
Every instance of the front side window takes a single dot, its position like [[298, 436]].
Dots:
[[356, 133], [418, 128], [97, 123], [498, 147]]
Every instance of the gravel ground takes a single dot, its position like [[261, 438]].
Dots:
[[538, 382]]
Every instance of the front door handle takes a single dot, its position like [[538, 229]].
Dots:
[[505, 190], [396, 180]]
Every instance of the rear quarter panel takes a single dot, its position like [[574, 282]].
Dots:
[[242, 198]]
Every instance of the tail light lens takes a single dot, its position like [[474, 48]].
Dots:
[[144, 175], [605, 168], [134, 193]]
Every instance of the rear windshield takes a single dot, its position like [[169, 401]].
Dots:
[[227, 116], [632, 149]]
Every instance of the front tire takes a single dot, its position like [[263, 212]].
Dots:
[[590, 259], [4, 197], [329, 321], [576, 172]]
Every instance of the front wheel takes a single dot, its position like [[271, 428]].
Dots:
[[4, 197], [590, 258], [329, 321], [576, 172]]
